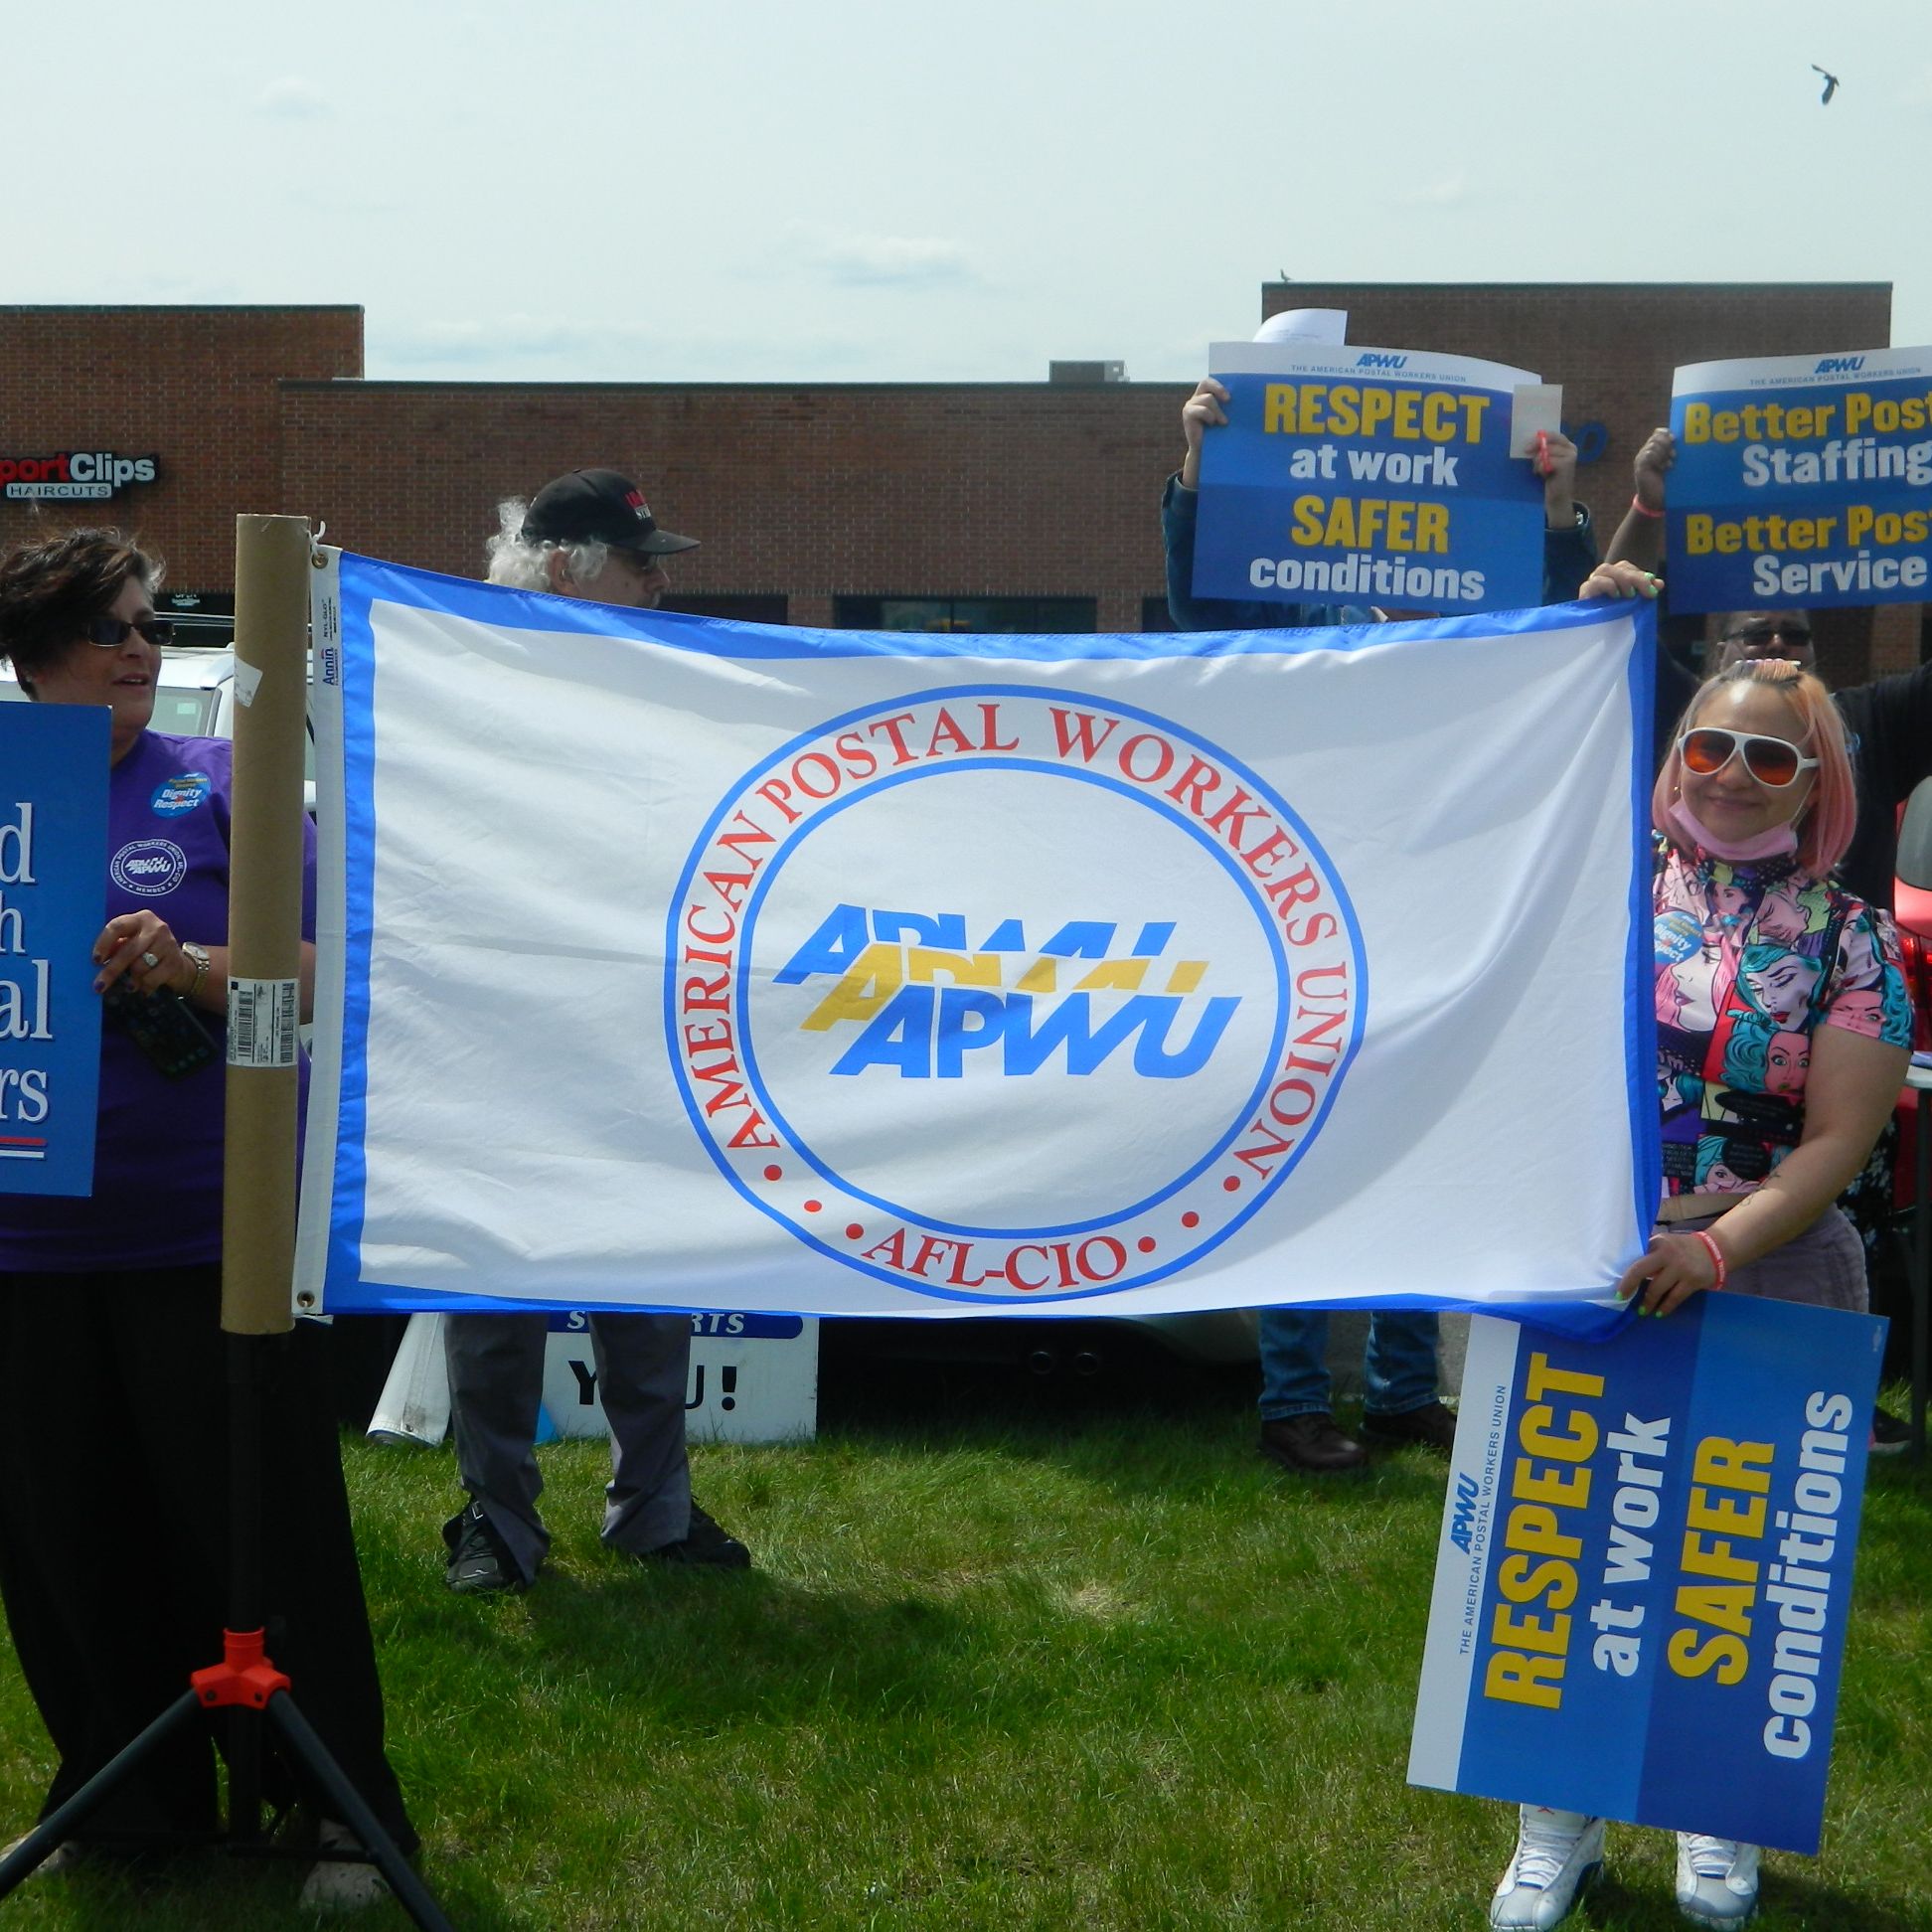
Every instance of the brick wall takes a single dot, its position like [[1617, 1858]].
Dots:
[[194, 386], [810, 491], [919, 490]]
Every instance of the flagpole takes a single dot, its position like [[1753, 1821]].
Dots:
[[272, 564]]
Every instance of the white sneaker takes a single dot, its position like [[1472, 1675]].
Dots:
[[334, 1885], [1717, 1879], [1556, 1855]]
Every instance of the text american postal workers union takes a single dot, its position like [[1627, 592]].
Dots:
[[1196, 958], [1349, 475], [1802, 480]]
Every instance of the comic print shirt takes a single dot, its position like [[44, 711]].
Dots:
[[1751, 959]]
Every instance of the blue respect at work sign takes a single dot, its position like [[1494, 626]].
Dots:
[[1366, 477], [53, 886], [1645, 1568]]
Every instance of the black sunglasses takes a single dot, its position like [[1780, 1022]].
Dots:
[[110, 633], [1764, 633]]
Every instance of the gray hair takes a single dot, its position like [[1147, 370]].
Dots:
[[521, 564]]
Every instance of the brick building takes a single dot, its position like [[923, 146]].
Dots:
[[981, 506]]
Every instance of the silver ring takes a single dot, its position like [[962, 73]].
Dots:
[[150, 959]]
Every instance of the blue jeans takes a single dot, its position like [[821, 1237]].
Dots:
[[1399, 1364]]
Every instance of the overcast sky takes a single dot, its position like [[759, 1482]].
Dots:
[[846, 189]]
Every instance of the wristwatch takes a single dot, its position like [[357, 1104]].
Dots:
[[197, 956]]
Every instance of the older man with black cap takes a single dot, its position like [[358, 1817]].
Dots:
[[586, 535]]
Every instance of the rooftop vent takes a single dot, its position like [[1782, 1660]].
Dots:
[[1086, 375]]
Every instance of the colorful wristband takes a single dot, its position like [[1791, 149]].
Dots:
[[1717, 1260], [1643, 509]]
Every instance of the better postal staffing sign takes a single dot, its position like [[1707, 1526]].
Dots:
[[1351, 475], [1802, 480], [1644, 1568]]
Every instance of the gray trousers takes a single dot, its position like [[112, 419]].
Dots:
[[496, 1385]]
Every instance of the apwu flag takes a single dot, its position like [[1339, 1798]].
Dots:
[[671, 962]]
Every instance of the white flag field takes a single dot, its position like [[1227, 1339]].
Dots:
[[677, 963]]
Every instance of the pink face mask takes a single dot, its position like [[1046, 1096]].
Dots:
[[1779, 842]]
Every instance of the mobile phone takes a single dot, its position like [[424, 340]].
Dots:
[[162, 1025]]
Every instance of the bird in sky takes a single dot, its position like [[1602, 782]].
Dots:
[[1831, 85]]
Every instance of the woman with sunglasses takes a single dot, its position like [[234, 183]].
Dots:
[[113, 1564], [1782, 1043]]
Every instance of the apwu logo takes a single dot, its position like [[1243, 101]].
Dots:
[[148, 866], [998, 993], [920, 1002], [1462, 1518], [1839, 364], [1380, 359]]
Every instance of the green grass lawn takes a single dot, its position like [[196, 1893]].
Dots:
[[1005, 1668]]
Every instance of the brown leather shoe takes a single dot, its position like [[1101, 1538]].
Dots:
[[1312, 1445], [1432, 1425]]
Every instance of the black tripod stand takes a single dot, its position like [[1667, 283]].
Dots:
[[244, 1682]]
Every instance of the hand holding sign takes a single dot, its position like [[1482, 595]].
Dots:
[[1201, 412]]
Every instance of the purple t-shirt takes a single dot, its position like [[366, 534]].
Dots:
[[157, 1191]]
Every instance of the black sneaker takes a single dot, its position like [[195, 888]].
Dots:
[[1311, 1445], [1432, 1425], [1888, 1434], [479, 1562], [704, 1542]]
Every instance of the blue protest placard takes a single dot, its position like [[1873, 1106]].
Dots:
[[1367, 476], [52, 873], [1644, 1568], [1802, 480]]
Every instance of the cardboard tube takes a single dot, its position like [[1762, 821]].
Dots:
[[271, 565]]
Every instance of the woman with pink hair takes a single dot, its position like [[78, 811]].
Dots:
[[1753, 809]]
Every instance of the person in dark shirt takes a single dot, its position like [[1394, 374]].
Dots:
[[1890, 719], [588, 535], [1402, 1406]]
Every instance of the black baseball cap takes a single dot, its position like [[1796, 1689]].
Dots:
[[598, 506]]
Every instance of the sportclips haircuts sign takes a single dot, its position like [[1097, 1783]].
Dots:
[[74, 474]]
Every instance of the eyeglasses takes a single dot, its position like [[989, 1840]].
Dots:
[[1770, 760], [110, 633], [1756, 634]]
